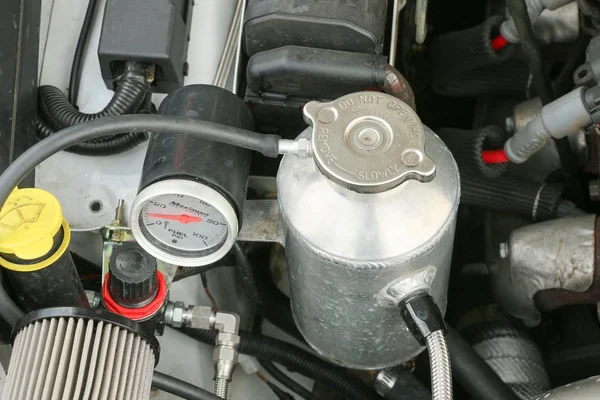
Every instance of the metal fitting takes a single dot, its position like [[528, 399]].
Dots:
[[227, 322], [225, 355], [300, 147], [175, 314], [422, 316], [385, 381], [225, 358], [200, 317]]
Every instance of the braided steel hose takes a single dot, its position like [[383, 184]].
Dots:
[[221, 387], [439, 359]]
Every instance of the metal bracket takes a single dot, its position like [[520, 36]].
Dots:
[[262, 222]]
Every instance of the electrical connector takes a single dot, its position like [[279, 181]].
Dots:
[[249, 364]]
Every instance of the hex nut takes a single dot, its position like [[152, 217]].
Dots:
[[228, 339], [200, 317], [225, 353], [177, 314]]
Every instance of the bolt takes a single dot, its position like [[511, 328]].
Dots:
[[503, 250], [120, 213], [116, 237]]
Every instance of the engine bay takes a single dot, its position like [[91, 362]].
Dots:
[[300, 199]]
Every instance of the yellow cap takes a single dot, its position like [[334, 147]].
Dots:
[[29, 221]]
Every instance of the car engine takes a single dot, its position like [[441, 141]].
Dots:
[[300, 199]]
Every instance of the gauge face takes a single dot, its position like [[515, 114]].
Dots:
[[183, 224]]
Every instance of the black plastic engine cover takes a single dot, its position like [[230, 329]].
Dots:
[[346, 25]]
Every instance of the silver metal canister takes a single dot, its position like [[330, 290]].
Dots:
[[370, 219]]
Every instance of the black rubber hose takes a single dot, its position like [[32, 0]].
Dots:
[[278, 309], [507, 347], [285, 380], [9, 310], [531, 48], [268, 145], [179, 388], [111, 145], [76, 67], [57, 113], [564, 81], [187, 272], [296, 359], [249, 285], [473, 374]]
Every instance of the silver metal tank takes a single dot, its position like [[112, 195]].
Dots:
[[370, 218]]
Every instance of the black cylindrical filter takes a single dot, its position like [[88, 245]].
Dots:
[[34, 238], [223, 167]]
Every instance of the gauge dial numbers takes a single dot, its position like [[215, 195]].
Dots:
[[184, 223]]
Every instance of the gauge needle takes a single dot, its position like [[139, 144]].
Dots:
[[183, 218]]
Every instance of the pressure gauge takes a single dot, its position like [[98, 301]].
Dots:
[[184, 222], [192, 191]]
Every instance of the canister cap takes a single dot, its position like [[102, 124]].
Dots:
[[368, 142], [29, 221], [133, 276]]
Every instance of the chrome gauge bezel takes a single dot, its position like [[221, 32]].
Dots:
[[186, 188]]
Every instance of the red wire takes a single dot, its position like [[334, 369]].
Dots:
[[499, 42], [494, 157]]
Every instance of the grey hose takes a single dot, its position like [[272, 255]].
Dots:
[[268, 145], [564, 116], [396, 85], [441, 373]]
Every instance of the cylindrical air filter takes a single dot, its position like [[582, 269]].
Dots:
[[76, 353]]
